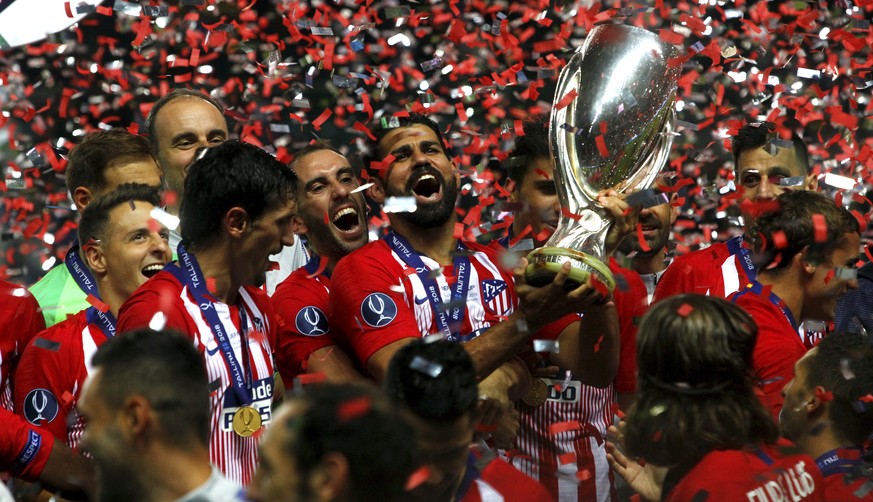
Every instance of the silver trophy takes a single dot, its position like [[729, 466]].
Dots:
[[625, 83]]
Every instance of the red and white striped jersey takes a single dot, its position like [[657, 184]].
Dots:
[[377, 299], [235, 456], [51, 373]]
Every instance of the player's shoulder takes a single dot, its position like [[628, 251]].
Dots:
[[716, 252], [64, 330], [370, 257]]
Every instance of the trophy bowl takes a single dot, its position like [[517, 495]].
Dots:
[[615, 134]]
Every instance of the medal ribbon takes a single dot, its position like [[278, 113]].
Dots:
[[735, 246], [758, 288], [445, 317], [192, 276], [86, 282], [838, 461]]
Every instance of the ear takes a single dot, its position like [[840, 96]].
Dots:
[[806, 264], [377, 191], [298, 226], [811, 182], [818, 401], [95, 258], [236, 221], [81, 198], [674, 209], [331, 478], [136, 416]]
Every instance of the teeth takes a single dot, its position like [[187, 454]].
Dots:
[[426, 177], [157, 267], [343, 212]]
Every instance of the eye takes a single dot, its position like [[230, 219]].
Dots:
[[215, 140], [750, 180], [165, 234], [317, 189], [138, 236], [348, 180]]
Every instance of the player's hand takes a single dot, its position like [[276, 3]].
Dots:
[[507, 430], [647, 480], [546, 304], [624, 219]]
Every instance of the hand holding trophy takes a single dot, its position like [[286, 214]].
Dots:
[[615, 134]]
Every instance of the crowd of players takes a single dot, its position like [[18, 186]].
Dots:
[[153, 364]]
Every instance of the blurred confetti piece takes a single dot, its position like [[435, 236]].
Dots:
[[164, 218], [400, 205], [820, 226], [422, 365], [362, 187], [546, 346], [567, 458], [560, 427], [158, 322], [417, 478], [353, 408], [684, 310]]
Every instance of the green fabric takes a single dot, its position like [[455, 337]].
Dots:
[[59, 295]]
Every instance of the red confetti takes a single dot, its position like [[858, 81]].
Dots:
[[601, 146], [780, 241], [567, 99], [97, 303], [417, 478], [354, 408], [684, 310], [567, 458], [317, 123], [641, 239], [560, 427], [820, 225], [310, 378]]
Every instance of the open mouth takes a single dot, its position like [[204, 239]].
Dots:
[[346, 219], [151, 270], [427, 187]]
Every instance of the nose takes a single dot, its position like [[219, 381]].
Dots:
[[161, 247], [766, 190], [339, 191], [287, 237]]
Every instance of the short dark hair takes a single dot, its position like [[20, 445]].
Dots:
[[316, 146], [759, 134], [89, 159], [843, 365], [533, 145], [449, 395], [782, 233], [149, 124], [694, 355], [95, 217], [388, 124], [232, 174], [166, 369], [361, 424]]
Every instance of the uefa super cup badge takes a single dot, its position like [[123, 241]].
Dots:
[[616, 133]]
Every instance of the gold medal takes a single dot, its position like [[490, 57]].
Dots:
[[535, 397], [246, 421]]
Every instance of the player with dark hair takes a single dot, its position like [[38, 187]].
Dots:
[[435, 385], [764, 167], [806, 251], [332, 216], [236, 211], [342, 443], [828, 412], [697, 415], [147, 407], [98, 165], [123, 247], [180, 124]]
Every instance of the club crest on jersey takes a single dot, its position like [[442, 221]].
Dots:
[[40, 407], [495, 295], [311, 321], [378, 309], [259, 324]]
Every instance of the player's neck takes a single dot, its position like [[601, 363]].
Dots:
[[109, 295], [179, 472], [437, 243], [787, 286], [649, 263], [820, 440], [218, 270]]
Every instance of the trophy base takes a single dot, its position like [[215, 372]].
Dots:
[[545, 263]]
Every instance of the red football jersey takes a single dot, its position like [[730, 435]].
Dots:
[[778, 347], [51, 374], [24, 449], [20, 319], [377, 299], [844, 475], [766, 474], [300, 303], [498, 481], [234, 455], [715, 271]]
